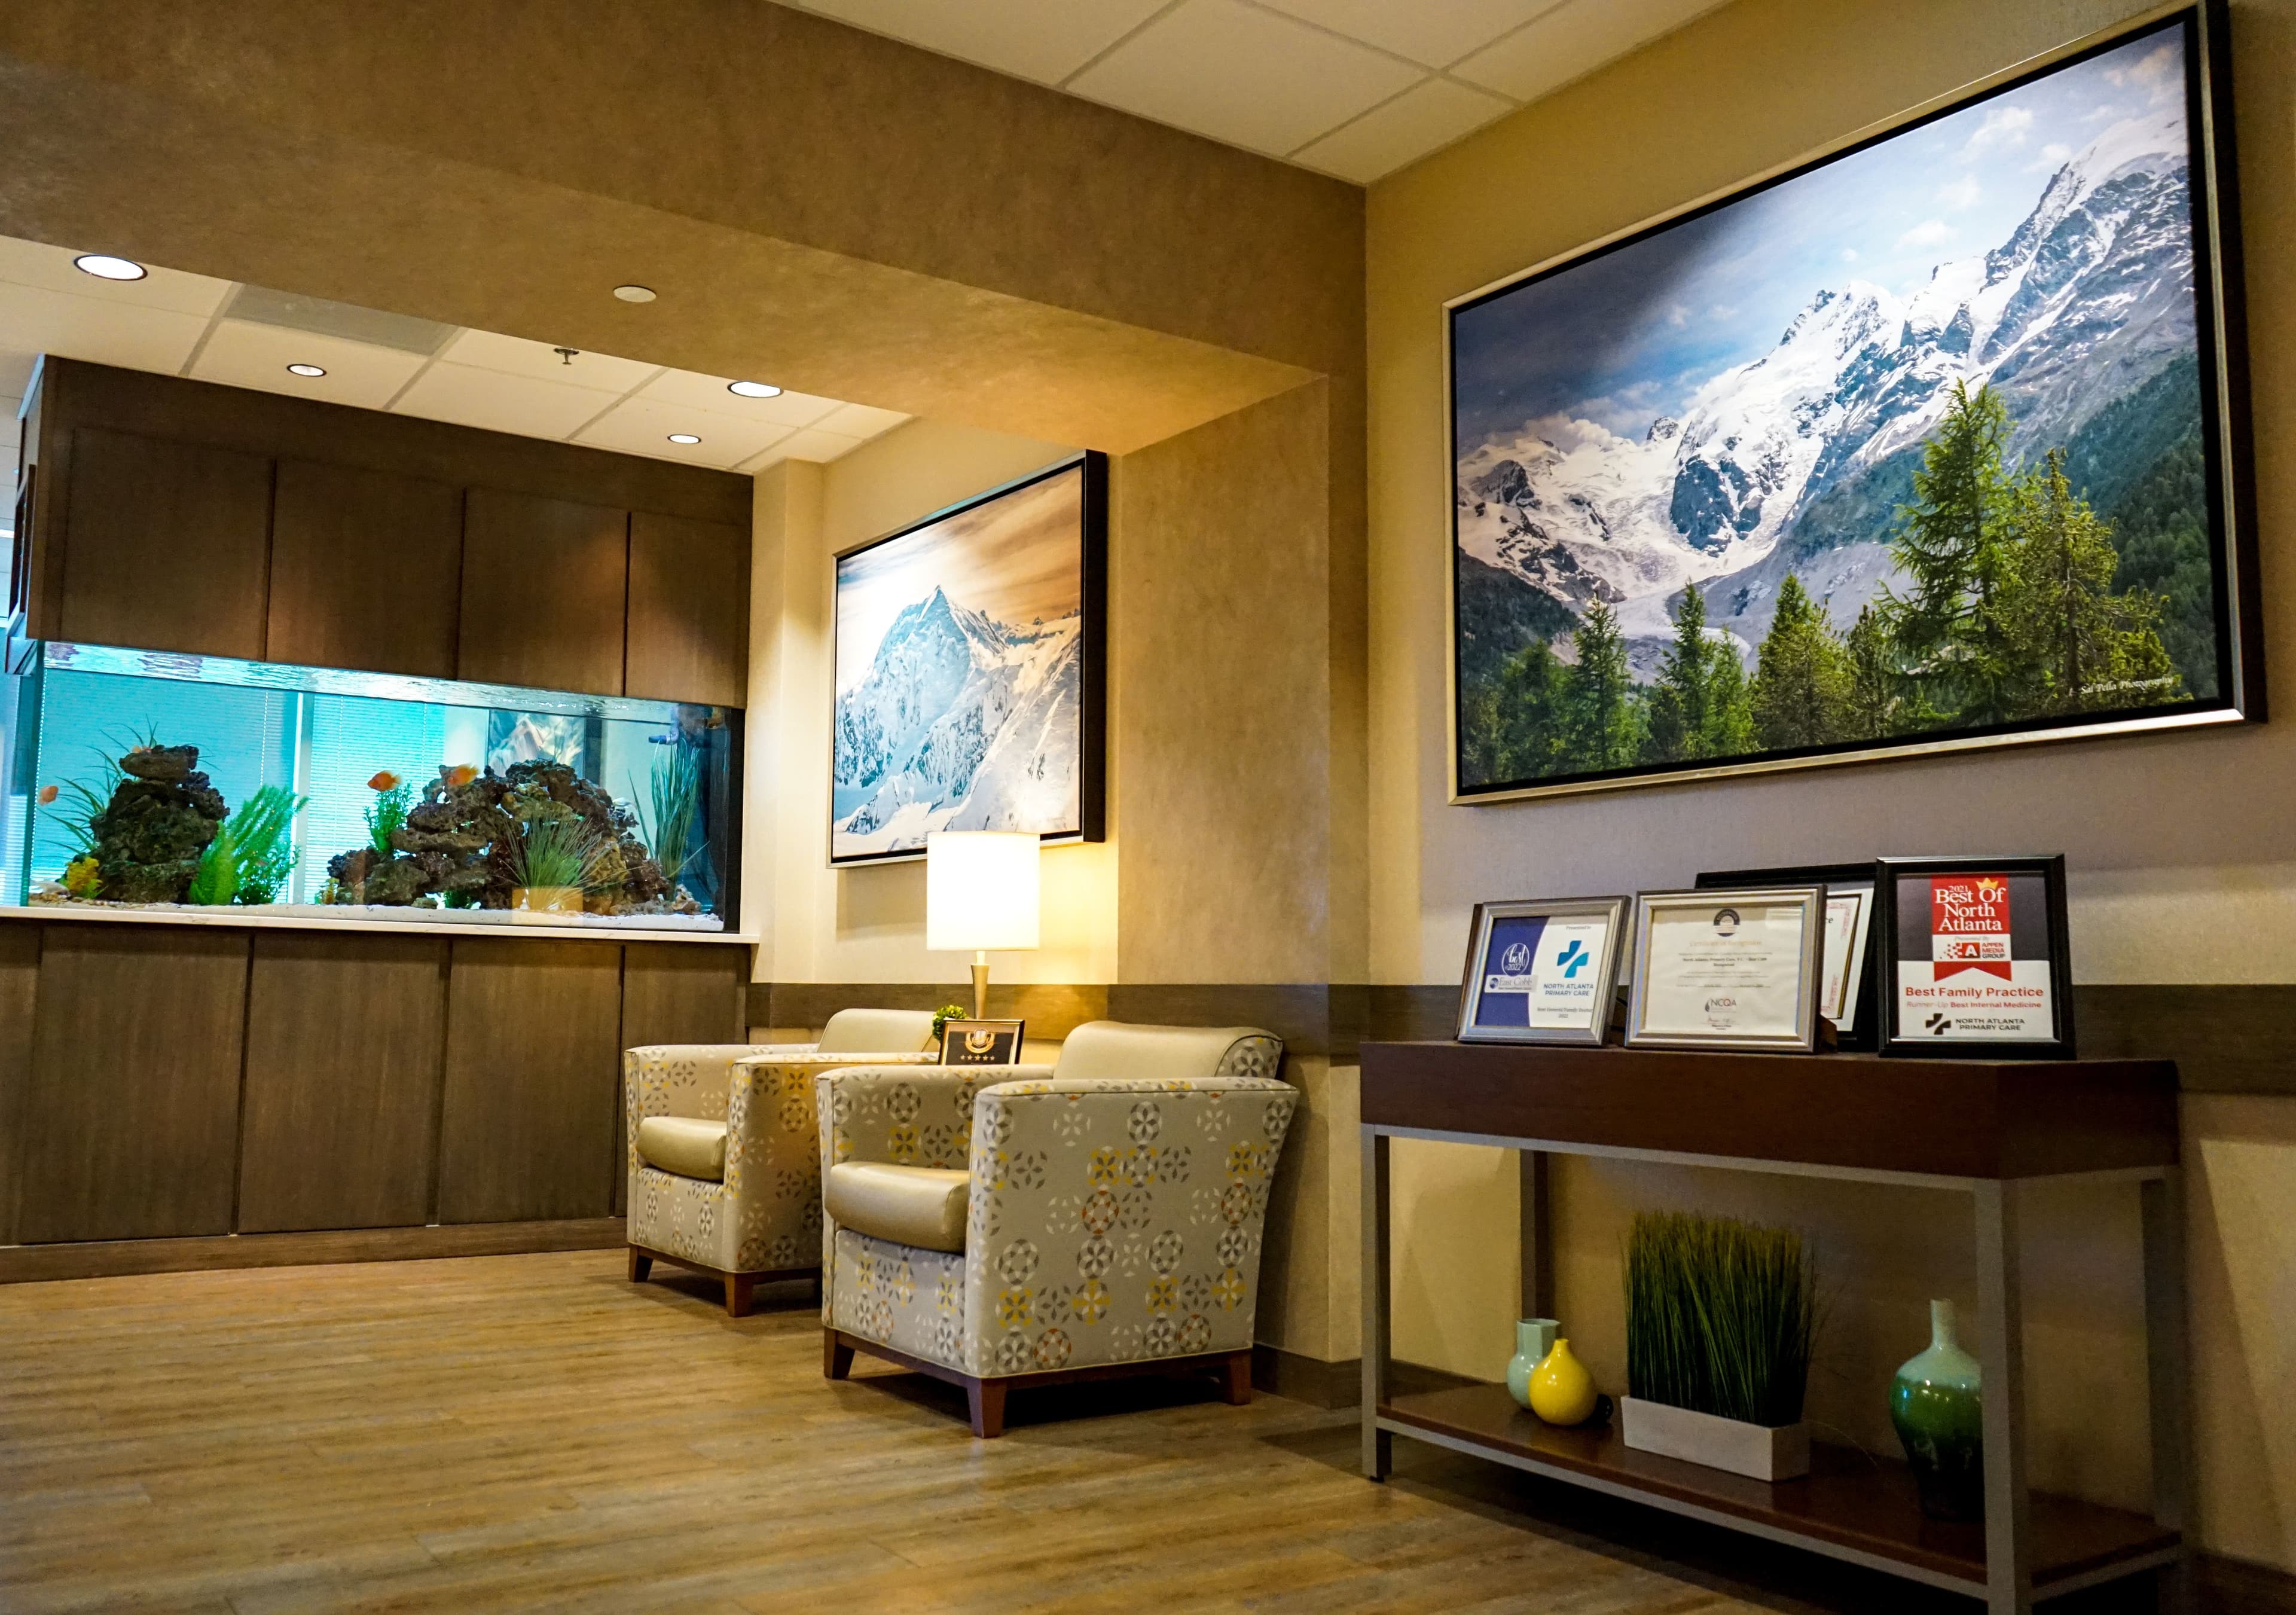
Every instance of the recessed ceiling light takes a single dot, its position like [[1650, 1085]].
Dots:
[[307, 370], [683, 436], [753, 389], [634, 294], [106, 267]]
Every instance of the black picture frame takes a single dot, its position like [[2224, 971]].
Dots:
[[982, 1042], [2226, 465], [1091, 705], [1864, 1036], [1888, 917]]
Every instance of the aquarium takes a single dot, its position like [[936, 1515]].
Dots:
[[146, 779]]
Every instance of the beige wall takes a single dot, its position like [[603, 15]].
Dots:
[[2180, 863]]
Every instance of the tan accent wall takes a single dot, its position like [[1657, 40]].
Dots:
[[2178, 845]]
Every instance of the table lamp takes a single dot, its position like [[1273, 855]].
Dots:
[[980, 893]]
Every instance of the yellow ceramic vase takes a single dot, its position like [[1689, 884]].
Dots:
[[1561, 1390]]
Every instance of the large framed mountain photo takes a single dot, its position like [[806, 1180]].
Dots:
[[1935, 441], [969, 670]]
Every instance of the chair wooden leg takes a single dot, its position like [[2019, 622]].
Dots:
[[739, 1287], [1236, 1379], [641, 1264], [836, 1355], [985, 1400]]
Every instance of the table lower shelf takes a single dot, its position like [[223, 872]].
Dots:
[[1850, 1505]]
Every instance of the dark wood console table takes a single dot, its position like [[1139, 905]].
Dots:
[[1985, 1129]]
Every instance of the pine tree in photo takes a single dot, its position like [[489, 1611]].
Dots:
[[1801, 676], [1680, 701], [1603, 719], [1519, 727], [1729, 730], [1951, 547], [1871, 693], [2078, 646]]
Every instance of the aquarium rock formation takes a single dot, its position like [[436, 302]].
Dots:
[[147, 841]]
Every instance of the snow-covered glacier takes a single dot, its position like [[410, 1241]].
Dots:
[[2090, 297], [960, 723]]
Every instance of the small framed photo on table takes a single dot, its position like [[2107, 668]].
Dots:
[[1727, 969], [1541, 971], [1848, 993], [981, 1042], [1976, 960]]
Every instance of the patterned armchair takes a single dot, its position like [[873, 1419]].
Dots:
[[1022, 1226], [723, 1151]]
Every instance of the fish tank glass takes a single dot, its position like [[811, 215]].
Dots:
[[148, 779]]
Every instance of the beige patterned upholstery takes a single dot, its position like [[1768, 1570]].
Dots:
[[764, 1216], [1115, 1210]]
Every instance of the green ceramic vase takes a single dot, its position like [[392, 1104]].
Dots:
[[1937, 1406], [1534, 1338]]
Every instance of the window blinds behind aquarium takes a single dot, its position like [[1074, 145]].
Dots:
[[150, 780]]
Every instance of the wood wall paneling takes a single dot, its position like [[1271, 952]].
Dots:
[[689, 616], [130, 1116], [545, 589], [20, 976], [166, 546], [533, 1059], [365, 569], [345, 1036], [676, 994]]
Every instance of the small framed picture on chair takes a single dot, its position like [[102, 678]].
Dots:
[[981, 1042]]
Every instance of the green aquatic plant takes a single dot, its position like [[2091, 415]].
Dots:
[[217, 879], [669, 809], [1721, 1316], [393, 797], [264, 852], [556, 852]]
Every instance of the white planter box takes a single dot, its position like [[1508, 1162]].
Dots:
[[1743, 1449]]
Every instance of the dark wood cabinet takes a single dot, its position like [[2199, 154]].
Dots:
[[546, 587], [130, 1111], [533, 1059], [166, 546], [365, 569], [689, 613], [339, 1122]]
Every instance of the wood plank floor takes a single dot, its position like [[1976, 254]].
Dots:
[[533, 1433]]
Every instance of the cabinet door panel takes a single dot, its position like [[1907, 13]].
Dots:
[[366, 570], [131, 1113], [533, 1058], [545, 585], [166, 546], [689, 611], [345, 1038]]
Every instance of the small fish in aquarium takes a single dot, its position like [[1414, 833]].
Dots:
[[148, 779]]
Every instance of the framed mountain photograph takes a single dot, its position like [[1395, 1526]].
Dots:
[[1937, 440], [971, 670]]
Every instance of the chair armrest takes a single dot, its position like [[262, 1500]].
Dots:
[[694, 1080]]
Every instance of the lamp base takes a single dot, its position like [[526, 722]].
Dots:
[[980, 987]]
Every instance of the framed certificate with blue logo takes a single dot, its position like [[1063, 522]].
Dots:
[[1728, 969], [1541, 971]]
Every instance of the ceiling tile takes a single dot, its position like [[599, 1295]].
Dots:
[[1572, 41], [240, 353], [860, 420], [1422, 119], [1046, 42], [1243, 76], [102, 330], [36, 264], [697, 391], [468, 396], [1436, 32], [517, 356], [643, 425], [814, 444], [16, 369]]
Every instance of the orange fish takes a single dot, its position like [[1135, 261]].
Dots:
[[47, 795], [384, 781], [461, 774]]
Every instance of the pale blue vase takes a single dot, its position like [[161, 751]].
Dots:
[[1534, 1338], [1937, 1402]]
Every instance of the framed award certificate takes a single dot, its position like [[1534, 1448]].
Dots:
[[1727, 969], [1975, 959], [1541, 971], [982, 1042], [1848, 993]]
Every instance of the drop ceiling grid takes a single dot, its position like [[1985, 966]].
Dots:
[[1354, 88]]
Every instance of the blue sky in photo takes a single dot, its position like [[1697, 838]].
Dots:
[[1628, 336]]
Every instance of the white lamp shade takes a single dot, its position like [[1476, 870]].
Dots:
[[980, 889]]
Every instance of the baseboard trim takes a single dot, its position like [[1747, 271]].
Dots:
[[1323, 1385], [115, 1258]]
